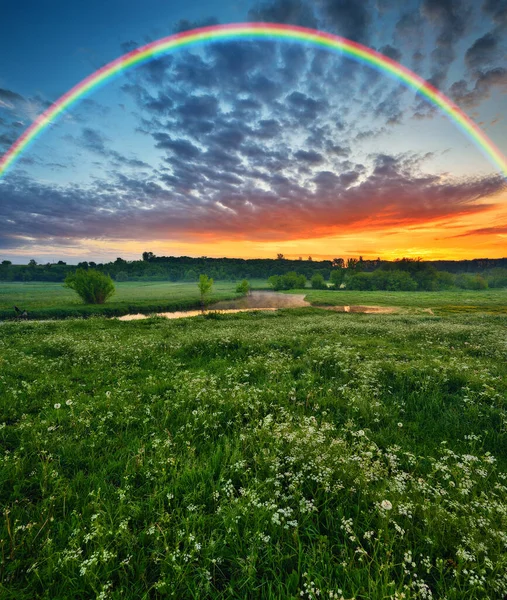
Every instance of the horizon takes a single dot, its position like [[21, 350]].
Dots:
[[250, 148], [314, 258]]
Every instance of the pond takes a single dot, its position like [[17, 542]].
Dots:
[[260, 300]]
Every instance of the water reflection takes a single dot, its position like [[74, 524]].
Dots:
[[261, 300]]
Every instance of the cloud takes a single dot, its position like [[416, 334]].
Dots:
[[484, 85], [94, 141], [451, 17], [181, 148], [490, 231], [185, 25], [498, 11], [348, 18], [483, 52], [186, 205], [294, 12], [8, 98], [309, 156], [391, 52]]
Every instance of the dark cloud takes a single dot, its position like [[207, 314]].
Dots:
[[451, 18], [498, 11], [393, 193], [294, 12], [483, 52], [391, 52], [348, 18], [309, 156], [93, 140], [484, 85], [96, 142], [181, 148], [199, 107], [9, 97], [185, 25], [128, 46]]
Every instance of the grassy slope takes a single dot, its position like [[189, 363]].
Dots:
[[46, 300], [248, 456]]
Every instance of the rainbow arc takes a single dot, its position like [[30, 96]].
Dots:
[[272, 31]]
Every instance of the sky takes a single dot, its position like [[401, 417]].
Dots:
[[256, 147]]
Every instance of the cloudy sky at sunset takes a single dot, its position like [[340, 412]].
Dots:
[[252, 148]]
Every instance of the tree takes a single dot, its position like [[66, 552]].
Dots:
[[337, 277], [32, 263], [205, 284], [280, 257], [351, 264], [93, 287], [243, 287], [318, 282], [147, 256], [338, 262], [6, 263], [122, 276]]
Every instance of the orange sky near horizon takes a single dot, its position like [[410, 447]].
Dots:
[[442, 239]]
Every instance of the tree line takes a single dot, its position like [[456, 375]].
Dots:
[[353, 273]]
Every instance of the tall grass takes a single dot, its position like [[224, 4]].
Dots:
[[300, 454]]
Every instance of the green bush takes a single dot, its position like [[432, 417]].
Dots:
[[243, 287], [337, 277], [359, 281], [467, 281], [122, 276], [318, 282], [289, 281], [92, 286], [205, 284]]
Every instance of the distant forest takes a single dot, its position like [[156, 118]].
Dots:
[[354, 273]]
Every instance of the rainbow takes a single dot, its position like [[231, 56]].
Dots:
[[217, 33]]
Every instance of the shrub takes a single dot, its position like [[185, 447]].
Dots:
[[359, 281], [122, 276], [289, 281], [337, 277], [243, 287], [92, 286], [318, 282], [471, 282], [400, 281], [205, 284]]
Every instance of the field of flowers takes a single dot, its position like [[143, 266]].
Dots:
[[293, 454]]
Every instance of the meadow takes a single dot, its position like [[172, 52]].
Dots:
[[296, 454], [490, 301], [52, 300]]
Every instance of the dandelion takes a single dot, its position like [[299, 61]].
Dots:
[[386, 505], [68, 402], [57, 405], [400, 424]]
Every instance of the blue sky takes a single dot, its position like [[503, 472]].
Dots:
[[245, 149]]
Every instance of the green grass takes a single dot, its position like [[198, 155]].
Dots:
[[299, 454], [458, 301], [52, 300]]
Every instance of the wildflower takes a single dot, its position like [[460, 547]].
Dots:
[[68, 402], [400, 424], [386, 505], [57, 405]]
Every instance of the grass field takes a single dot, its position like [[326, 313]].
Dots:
[[52, 300], [298, 454], [445, 302]]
